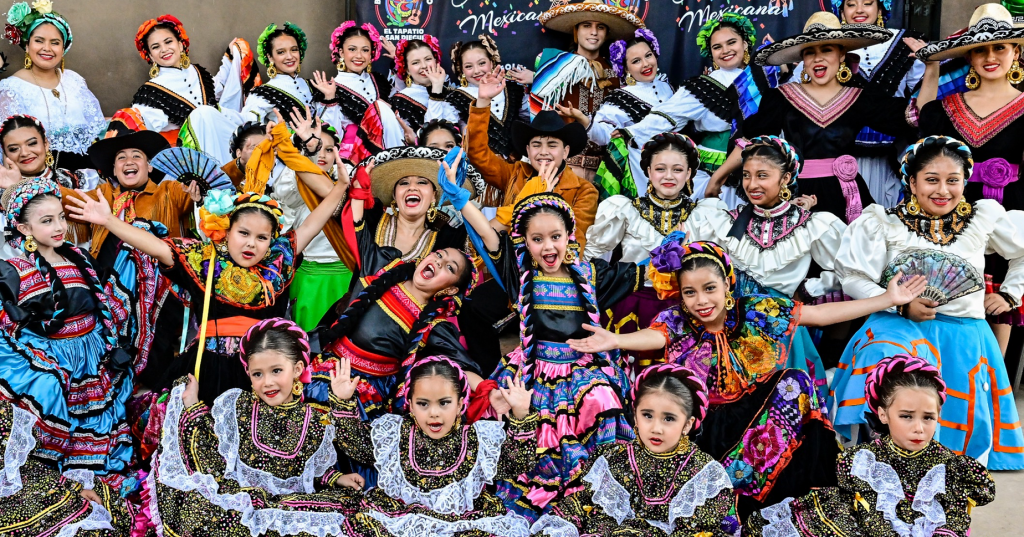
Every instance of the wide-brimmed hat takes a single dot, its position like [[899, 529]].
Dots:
[[398, 162], [549, 123], [990, 24], [823, 28], [120, 135], [620, 22]]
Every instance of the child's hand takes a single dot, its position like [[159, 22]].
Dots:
[[909, 290], [190, 397], [88, 209], [352, 481], [343, 385], [499, 403], [517, 396], [601, 341], [91, 495]]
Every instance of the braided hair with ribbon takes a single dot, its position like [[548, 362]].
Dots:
[[349, 29], [277, 334], [431, 366], [925, 150], [780, 154], [895, 373], [675, 255], [660, 378]]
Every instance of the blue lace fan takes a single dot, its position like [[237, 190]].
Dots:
[[186, 165], [949, 276]]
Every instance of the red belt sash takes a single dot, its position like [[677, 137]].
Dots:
[[365, 361]]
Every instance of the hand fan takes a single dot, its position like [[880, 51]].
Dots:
[[186, 165], [949, 276]]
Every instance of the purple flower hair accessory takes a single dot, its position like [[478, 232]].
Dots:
[[647, 35], [617, 57], [668, 257]]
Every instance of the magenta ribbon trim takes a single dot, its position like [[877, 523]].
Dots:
[[994, 174], [843, 168]]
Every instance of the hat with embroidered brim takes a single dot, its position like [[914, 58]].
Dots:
[[565, 18], [393, 165], [990, 24], [822, 28]]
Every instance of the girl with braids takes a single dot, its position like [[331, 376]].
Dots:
[[580, 396], [256, 462], [774, 238], [660, 484], [936, 228], [903, 482], [237, 277], [436, 465], [762, 416], [63, 360], [639, 225], [418, 66]]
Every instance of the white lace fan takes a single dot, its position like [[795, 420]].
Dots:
[[949, 276]]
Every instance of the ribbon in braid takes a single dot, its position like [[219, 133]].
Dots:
[[909, 165], [900, 363], [279, 325], [688, 378], [402, 396], [439, 309], [11, 120]]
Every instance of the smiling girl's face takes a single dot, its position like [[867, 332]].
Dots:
[[992, 62], [939, 185], [27, 147], [417, 62], [822, 62], [272, 375], [669, 172], [285, 54], [547, 239], [762, 181], [641, 62], [727, 48], [164, 47], [357, 51], [476, 64], [860, 11], [414, 196], [46, 47], [703, 293]]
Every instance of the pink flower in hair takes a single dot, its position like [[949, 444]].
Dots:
[[335, 44]]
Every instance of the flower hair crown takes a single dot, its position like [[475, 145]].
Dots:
[[23, 19], [617, 50], [219, 205], [336, 43], [263, 42]]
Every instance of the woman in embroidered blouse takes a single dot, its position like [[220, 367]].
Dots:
[[418, 66], [63, 359], [903, 483], [989, 119], [762, 416], [660, 484], [252, 262], [436, 466], [258, 461], [935, 226], [44, 89]]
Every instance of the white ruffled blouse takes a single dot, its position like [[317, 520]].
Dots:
[[877, 237], [258, 109], [610, 117], [436, 109], [72, 121], [683, 107]]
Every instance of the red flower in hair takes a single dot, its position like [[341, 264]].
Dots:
[[146, 27], [12, 34]]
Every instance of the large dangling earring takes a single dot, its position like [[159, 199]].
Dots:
[[630, 81], [534, 261], [462, 81], [805, 78], [154, 70], [62, 65], [963, 208], [881, 20], [1016, 74], [49, 159], [298, 68], [184, 63], [341, 65], [30, 244], [972, 80], [222, 248], [912, 206], [714, 65], [730, 302], [785, 194], [297, 387], [28, 61], [746, 57], [844, 74], [569, 257], [271, 71], [432, 212], [408, 80]]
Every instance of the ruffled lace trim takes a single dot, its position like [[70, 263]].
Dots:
[[709, 481], [455, 498], [98, 519], [174, 474], [225, 419], [554, 526], [86, 477], [607, 492], [780, 520], [18, 445], [508, 525], [885, 481]]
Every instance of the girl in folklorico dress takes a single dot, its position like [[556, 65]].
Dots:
[[418, 66], [44, 89], [989, 119], [258, 461], [946, 238], [236, 278], [660, 484], [762, 416], [63, 360], [580, 396], [639, 225], [436, 468], [773, 239], [903, 483]]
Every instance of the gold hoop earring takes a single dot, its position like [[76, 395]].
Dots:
[[30, 244], [746, 57], [271, 71], [184, 63], [432, 212], [341, 65], [630, 81], [972, 80], [730, 302], [963, 208], [1016, 74], [297, 387], [805, 78], [785, 194], [912, 206], [534, 260], [844, 74], [462, 81], [154, 71], [408, 80], [298, 68], [569, 257], [49, 159], [28, 61]]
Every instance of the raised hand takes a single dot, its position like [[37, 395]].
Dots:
[[517, 396], [499, 403], [387, 48], [914, 45], [491, 85], [548, 171], [324, 84], [436, 76], [87, 209], [10, 175], [521, 75], [574, 113], [343, 384], [600, 341], [190, 397], [901, 294]]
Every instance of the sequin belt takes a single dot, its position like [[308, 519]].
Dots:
[[843, 168], [994, 174], [365, 361]]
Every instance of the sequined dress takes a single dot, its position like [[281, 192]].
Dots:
[[762, 417], [631, 491], [437, 487], [245, 468], [886, 491]]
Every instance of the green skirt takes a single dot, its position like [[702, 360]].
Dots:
[[316, 287]]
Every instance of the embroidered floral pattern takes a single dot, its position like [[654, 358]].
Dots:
[[943, 230], [764, 445], [664, 215], [976, 130], [768, 228]]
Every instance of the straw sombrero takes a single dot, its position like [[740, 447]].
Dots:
[[990, 24], [620, 22], [408, 161], [821, 29]]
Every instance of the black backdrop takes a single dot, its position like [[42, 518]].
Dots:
[[520, 37]]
